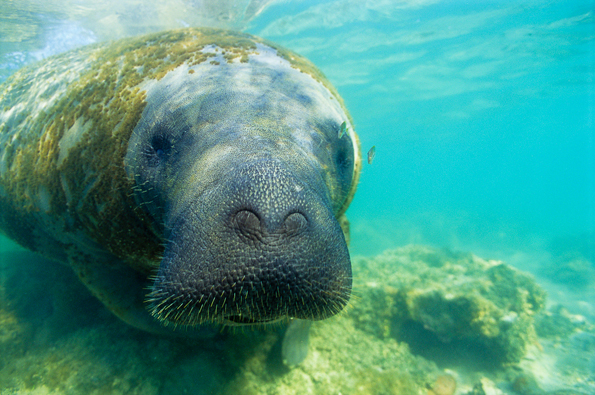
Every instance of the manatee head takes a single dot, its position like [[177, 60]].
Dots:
[[242, 170]]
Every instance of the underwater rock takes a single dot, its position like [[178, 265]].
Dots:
[[573, 260], [343, 359], [526, 384], [485, 387], [360, 351], [445, 384], [107, 356], [557, 322], [573, 270], [440, 300]]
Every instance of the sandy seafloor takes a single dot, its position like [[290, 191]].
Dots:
[[482, 118], [445, 322]]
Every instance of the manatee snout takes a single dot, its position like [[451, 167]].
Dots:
[[261, 246]]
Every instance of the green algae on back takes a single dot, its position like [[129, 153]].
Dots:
[[102, 106]]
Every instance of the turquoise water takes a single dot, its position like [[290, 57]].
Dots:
[[482, 116], [482, 113]]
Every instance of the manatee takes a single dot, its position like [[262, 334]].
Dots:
[[189, 178]]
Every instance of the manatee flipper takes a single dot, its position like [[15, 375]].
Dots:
[[294, 348], [122, 289], [118, 286]]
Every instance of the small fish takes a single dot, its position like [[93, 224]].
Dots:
[[343, 129], [371, 154]]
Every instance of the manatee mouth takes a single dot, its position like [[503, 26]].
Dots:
[[276, 252], [249, 292]]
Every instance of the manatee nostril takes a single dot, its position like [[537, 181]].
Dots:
[[295, 223], [248, 223]]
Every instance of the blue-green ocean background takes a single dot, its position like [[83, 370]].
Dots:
[[481, 112]]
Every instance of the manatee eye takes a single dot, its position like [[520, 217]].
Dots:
[[344, 165], [158, 150], [344, 161]]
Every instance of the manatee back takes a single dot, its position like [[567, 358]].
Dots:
[[65, 124], [64, 129]]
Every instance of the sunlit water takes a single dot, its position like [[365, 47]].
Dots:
[[481, 112]]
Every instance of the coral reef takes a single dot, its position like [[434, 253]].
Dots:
[[454, 301], [64, 341], [418, 314]]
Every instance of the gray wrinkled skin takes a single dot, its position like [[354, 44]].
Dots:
[[234, 165]]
